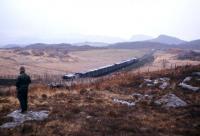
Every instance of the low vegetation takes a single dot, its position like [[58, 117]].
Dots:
[[189, 55], [88, 108]]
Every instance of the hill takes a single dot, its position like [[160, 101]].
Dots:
[[140, 45], [152, 44], [165, 39], [61, 46], [94, 44], [195, 45], [11, 46], [52, 50]]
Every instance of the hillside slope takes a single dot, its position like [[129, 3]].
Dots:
[[139, 45], [155, 44], [195, 45], [122, 104]]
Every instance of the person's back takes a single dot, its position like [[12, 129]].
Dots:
[[22, 84]]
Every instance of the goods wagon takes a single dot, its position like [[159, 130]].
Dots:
[[102, 70]]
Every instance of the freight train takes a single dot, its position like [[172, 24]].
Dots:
[[102, 70]]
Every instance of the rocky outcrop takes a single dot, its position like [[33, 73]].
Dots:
[[170, 100], [19, 118]]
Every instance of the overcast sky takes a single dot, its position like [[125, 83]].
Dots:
[[49, 20]]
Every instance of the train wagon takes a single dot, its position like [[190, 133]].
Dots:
[[102, 70]]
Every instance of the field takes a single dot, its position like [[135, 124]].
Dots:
[[166, 60], [53, 63], [90, 109]]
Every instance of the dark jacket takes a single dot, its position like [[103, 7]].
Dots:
[[22, 83]]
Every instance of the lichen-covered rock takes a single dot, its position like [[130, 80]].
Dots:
[[164, 79], [124, 102], [189, 87], [19, 118], [138, 97], [196, 74], [162, 83], [187, 79], [170, 100]]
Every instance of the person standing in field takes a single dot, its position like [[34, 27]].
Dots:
[[22, 83]]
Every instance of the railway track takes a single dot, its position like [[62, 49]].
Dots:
[[126, 64]]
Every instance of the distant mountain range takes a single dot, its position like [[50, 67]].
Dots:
[[65, 38], [94, 44], [161, 42], [11, 46], [136, 42], [61, 46]]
